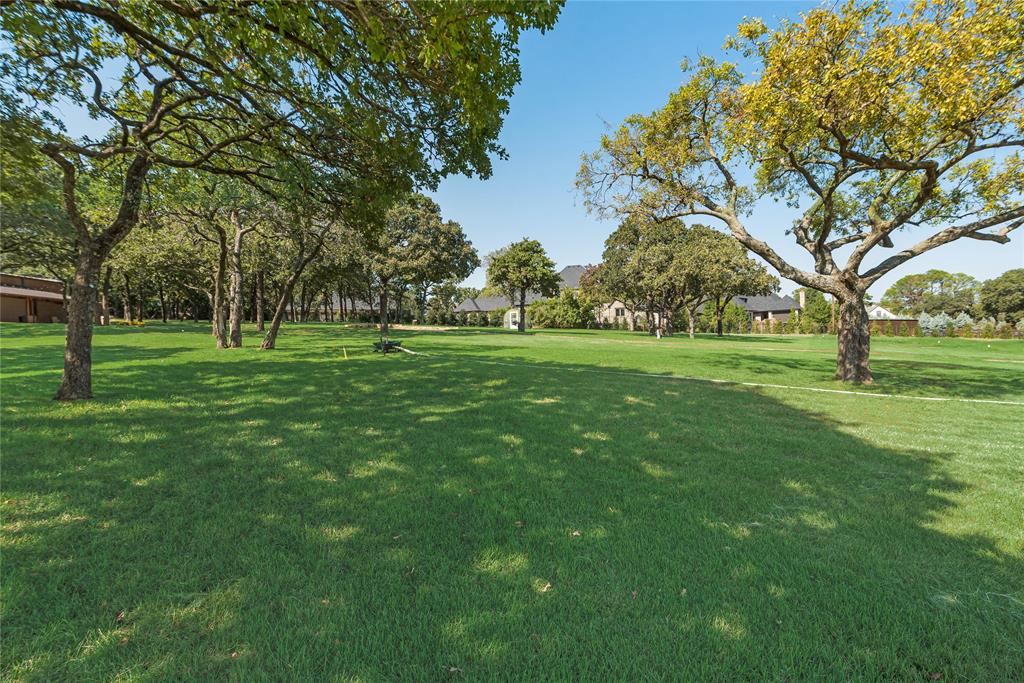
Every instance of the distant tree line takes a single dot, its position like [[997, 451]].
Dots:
[[937, 292]]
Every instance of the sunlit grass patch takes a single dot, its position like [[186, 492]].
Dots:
[[398, 518]]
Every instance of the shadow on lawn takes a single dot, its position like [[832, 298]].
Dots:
[[891, 376], [417, 518]]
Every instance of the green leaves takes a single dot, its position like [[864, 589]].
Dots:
[[521, 267], [863, 121]]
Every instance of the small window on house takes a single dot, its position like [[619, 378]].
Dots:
[[620, 312]]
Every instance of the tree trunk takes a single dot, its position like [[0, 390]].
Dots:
[[258, 301], [270, 340], [691, 317], [854, 340], [719, 313], [421, 303], [163, 302], [76, 382], [127, 303], [217, 315], [384, 308], [522, 310], [303, 304], [105, 298], [237, 305]]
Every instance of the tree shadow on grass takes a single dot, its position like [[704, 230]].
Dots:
[[425, 518], [891, 375], [26, 368]]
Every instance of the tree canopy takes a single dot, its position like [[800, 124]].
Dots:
[[521, 268], [346, 104], [865, 121], [934, 291], [1003, 296], [415, 247]]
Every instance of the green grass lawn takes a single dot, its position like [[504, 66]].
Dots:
[[536, 507]]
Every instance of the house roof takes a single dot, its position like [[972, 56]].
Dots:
[[31, 293], [486, 304], [32, 277], [764, 304], [571, 276]]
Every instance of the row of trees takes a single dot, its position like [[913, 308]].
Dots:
[[659, 269], [302, 122], [222, 251], [937, 291], [662, 268], [869, 123]]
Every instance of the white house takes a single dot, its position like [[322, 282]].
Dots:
[[876, 312]]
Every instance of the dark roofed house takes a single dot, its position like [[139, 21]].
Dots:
[[570, 276], [771, 307]]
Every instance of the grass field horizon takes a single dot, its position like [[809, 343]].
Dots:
[[555, 505]]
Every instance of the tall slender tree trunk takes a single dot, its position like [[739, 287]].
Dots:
[[76, 382], [105, 297], [237, 286], [140, 305], [854, 340], [163, 302], [217, 315], [303, 305], [127, 303], [270, 339], [421, 303], [691, 318], [258, 301], [384, 308], [522, 310], [720, 305]]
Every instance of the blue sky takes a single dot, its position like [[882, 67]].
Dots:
[[602, 62]]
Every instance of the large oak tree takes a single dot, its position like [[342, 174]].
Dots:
[[866, 122]]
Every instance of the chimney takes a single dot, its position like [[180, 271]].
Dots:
[[802, 299]]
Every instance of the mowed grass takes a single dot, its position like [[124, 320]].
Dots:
[[506, 507]]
